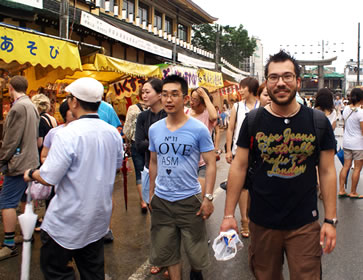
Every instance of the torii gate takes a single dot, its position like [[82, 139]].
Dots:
[[320, 64]]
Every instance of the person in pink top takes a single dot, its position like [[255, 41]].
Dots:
[[202, 109]]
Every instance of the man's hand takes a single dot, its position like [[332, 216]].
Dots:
[[227, 224], [328, 238], [26, 176], [229, 157], [206, 209], [201, 92]]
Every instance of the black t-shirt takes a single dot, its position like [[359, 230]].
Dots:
[[283, 194]]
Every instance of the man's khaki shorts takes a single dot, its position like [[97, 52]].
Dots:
[[353, 154], [176, 222]]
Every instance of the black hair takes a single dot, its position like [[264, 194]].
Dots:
[[282, 56], [324, 99], [251, 84], [89, 106], [356, 95], [178, 80], [63, 109], [156, 84]]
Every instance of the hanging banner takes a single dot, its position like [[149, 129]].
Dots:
[[210, 79], [189, 74], [106, 29], [33, 3], [124, 93], [25, 47], [195, 62]]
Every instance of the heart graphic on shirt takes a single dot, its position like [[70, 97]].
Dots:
[[168, 171]]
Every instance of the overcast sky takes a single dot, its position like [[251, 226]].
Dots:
[[301, 25]]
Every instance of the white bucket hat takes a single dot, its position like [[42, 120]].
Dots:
[[86, 89]]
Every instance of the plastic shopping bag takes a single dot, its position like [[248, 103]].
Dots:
[[226, 245], [145, 184], [39, 191]]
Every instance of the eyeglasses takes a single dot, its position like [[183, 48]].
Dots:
[[286, 77], [173, 95]]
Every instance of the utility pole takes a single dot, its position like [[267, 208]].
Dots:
[[217, 46], [322, 49], [358, 63], [64, 19]]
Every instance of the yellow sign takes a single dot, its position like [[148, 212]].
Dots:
[[210, 79], [25, 47]]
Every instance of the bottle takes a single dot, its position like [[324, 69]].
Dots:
[[17, 151]]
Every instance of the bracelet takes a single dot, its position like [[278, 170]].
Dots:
[[229, 217]]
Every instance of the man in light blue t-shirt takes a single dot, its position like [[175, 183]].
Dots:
[[178, 207]]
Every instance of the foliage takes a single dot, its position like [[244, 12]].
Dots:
[[235, 45]]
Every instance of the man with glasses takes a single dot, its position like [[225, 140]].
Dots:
[[283, 209], [81, 164], [178, 210]]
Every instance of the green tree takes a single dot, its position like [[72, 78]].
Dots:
[[235, 45]]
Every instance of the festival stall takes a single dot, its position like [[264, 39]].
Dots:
[[122, 79]]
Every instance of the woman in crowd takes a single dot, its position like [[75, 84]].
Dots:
[[263, 96], [352, 143], [151, 95], [324, 101], [137, 158]]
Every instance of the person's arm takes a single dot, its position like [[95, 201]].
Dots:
[[43, 154], [334, 125], [328, 186], [15, 125], [153, 167], [236, 179], [141, 139], [217, 137], [36, 177], [209, 105], [207, 208], [229, 135], [361, 127]]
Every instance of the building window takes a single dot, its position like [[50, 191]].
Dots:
[[158, 20], [168, 25], [182, 32], [129, 6], [143, 12]]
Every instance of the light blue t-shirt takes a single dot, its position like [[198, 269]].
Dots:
[[108, 114], [178, 154]]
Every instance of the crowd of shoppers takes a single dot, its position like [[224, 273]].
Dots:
[[278, 148]]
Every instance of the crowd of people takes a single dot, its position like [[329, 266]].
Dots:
[[281, 155]]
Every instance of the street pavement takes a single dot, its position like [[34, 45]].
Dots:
[[127, 256]]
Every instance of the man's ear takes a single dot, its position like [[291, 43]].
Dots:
[[186, 99]]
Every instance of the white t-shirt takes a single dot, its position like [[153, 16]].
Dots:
[[332, 117], [241, 111], [353, 138], [81, 164]]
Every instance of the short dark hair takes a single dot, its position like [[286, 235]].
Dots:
[[177, 80], [282, 56], [324, 99], [88, 106], [19, 83], [251, 84], [156, 84], [63, 109], [356, 95]]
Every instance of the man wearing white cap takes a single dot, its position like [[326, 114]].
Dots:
[[81, 164]]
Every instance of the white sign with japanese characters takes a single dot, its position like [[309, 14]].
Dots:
[[34, 3], [103, 27]]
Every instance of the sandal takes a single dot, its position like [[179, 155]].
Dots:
[[155, 270], [245, 231]]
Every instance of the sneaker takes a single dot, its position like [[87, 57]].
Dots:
[[108, 238], [7, 252], [196, 275]]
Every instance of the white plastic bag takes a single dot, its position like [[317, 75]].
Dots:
[[39, 191], [226, 245]]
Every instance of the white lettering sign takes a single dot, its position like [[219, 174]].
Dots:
[[34, 3], [102, 27], [196, 62]]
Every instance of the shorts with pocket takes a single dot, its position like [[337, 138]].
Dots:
[[173, 223], [353, 154], [12, 191]]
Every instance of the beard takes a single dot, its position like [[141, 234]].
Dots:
[[280, 102]]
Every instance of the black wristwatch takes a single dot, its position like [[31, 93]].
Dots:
[[30, 174], [333, 221]]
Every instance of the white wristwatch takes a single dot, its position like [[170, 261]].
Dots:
[[209, 196]]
